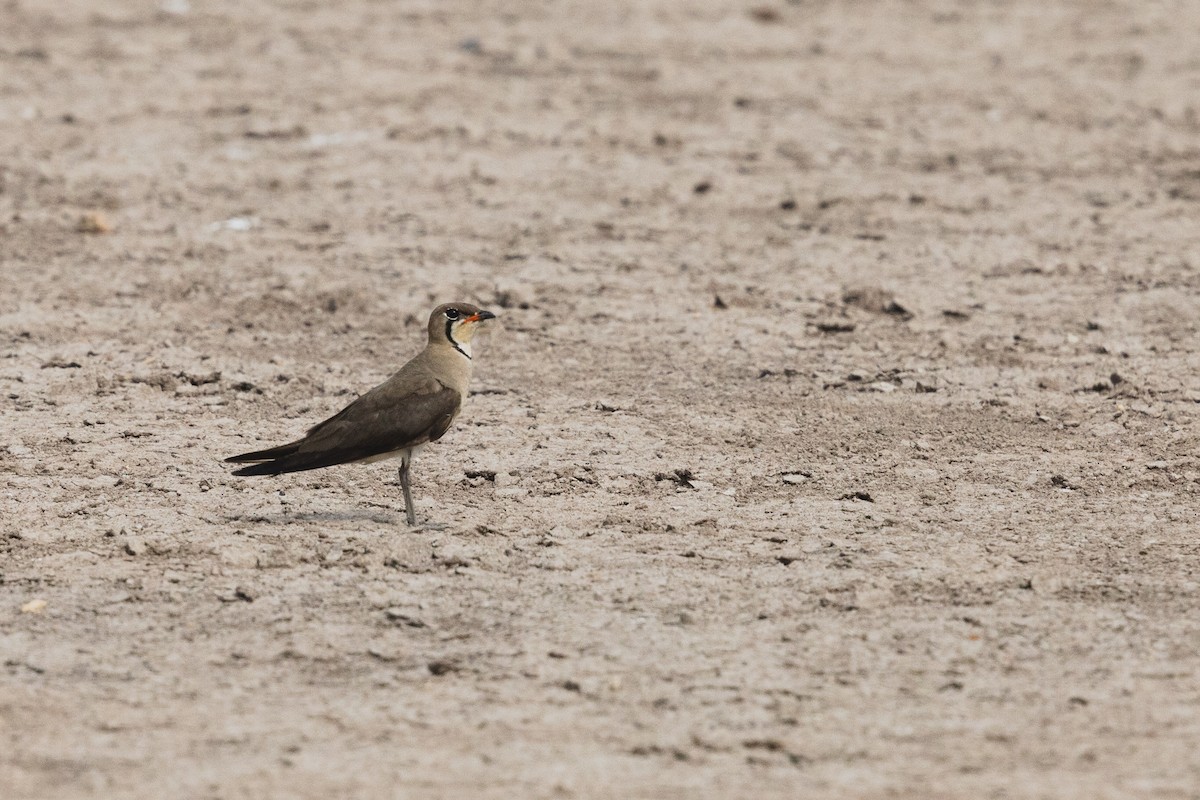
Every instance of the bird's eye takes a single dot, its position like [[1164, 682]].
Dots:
[[451, 313]]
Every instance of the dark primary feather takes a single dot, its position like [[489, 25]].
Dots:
[[265, 455], [370, 426]]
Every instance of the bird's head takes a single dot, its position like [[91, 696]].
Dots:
[[456, 323]]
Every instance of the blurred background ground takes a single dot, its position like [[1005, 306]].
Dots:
[[838, 436]]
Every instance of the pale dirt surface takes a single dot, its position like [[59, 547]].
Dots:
[[939, 537]]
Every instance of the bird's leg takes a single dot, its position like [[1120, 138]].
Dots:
[[408, 503]]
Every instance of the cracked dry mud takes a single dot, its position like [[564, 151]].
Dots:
[[838, 437]]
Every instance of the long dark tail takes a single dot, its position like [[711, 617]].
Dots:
[[274, 460], [287, 458], [270, 454], [265, 468]]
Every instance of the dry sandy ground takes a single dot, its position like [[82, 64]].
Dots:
[[838, 438]]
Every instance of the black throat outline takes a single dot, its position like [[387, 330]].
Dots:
[[450, 338]]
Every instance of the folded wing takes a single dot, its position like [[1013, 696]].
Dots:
[[384, 420]]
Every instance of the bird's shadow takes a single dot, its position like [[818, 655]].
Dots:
[[352, 515]]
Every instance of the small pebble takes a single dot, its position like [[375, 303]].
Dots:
[[35, 606]]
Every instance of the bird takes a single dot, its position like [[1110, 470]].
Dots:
[[413, 407]]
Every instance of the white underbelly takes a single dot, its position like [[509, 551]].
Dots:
[[406, 453]]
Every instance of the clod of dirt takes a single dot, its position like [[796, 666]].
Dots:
[[293, 132], [774, 746], [200, 379], [835, 326], [680, 477], [765, 14], [383, 653], [655, 750], [864, 496], [400, 617], [510, 298], [763, 744], [875, 300], [135, 546], [795, 478], [93, 222], [35, 606], [161, 545], [1061, 482], [277, 557], [162, 380], [239, 594]]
